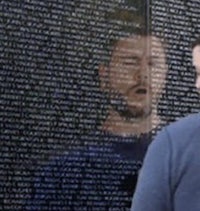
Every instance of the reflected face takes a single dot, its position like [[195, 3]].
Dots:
[[196, 63], [135, 62]]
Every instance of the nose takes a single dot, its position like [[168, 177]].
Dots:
[[142, 74], [141, 77]]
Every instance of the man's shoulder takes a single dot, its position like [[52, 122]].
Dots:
[[188, 123], [184, 129]]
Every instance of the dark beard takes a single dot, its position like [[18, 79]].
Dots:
[[120, 105]]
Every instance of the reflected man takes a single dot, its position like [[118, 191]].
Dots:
[[129, 83], [101, 173]]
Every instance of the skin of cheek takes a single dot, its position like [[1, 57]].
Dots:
[[121, 81]]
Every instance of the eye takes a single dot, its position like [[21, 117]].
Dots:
[[131, 61], [156, 61]]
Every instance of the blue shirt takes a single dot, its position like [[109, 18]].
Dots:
[[170, 177], [100, 174]]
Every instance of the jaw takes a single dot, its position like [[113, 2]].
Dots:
[[116, 124]]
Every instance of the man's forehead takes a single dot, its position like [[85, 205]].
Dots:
[[137, 43]]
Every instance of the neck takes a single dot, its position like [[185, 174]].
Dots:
[[118, 125]]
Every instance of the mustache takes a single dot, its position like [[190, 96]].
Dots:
[[139, 88]]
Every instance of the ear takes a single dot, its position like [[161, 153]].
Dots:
[[103, 77], [159, 88]]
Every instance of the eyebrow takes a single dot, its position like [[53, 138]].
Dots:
[[154, 57], [137, 56]]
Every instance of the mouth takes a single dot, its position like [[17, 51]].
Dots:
[[141, 91]]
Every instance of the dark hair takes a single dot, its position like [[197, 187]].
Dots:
[[196, 42], [126, 18]]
